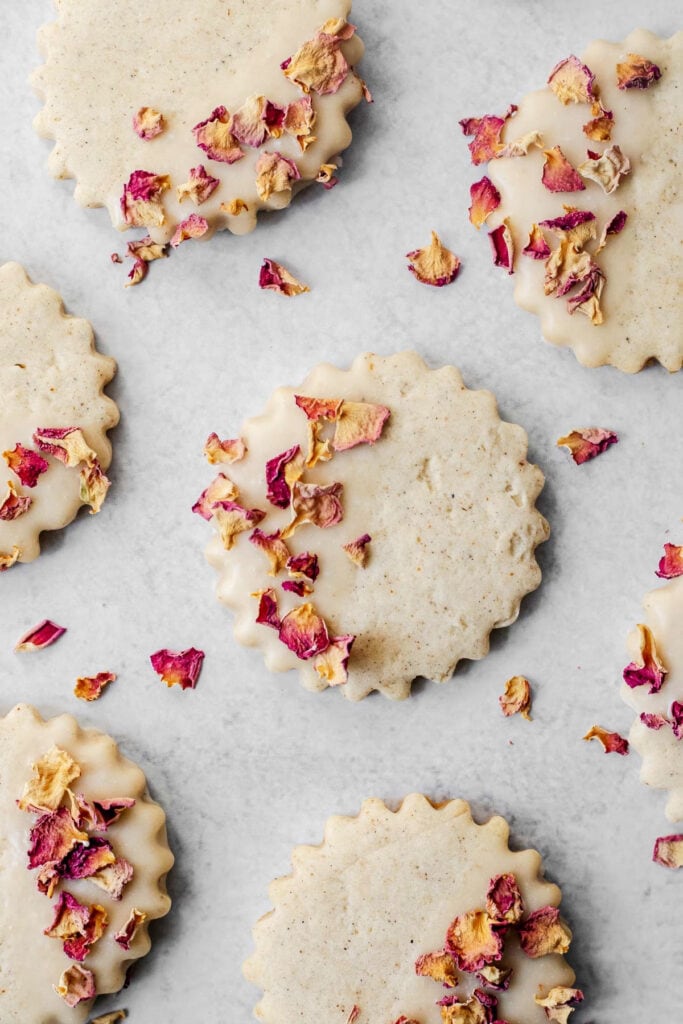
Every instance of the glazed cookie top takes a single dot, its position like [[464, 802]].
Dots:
[[205, 86], [51, 379], [616, 117], [353, 928], [77, 810], [378, 534]]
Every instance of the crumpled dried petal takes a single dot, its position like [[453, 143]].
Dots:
[[438, 966], [110, 1018], [42, 635], [215, 137], [79, 926], [193, 226], [220, 489], [233, 519], [503, 246], [668, 851], [560, 1003], [357, 550], [268, 614], [521, 146], [257, 120], [471, 1011], [98, 815], [576, 226], [93, 486], [517, 698], [299, 120], [613, 227], [498, 978], [319, 65], [127, 934], [325, 176], [316, 504], [544, 932], [319, 408], [612, 742], [607, 170], [677, 719], [637, 72], [303, 565], [276, 278], [282, 472], [114, 877], [654, 721], [180, 668], [65, 443], [148, 123], [27, 464], [145, 250], [76, 985], [359, 423], [141, 199], [536, 247], [485, 199], [235, 207], [198, 187], [558, 174], [9, 558], [274, 547], [599, 128], [298, 587], [486, 144], [473, 940], [274, 175], [91, 687], [587, 442], [304, 632], [504, 900], [572, 81], [649, 669], [52, 837], [85, 861], [671, 563], [231, 450], [53, 774], [332, 664], [15, 504], [435, 264]]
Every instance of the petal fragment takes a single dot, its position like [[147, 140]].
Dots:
[[572, 81], [148, 123], [304, 632], [671, 562], [274, 547], [53, 836], [141, 199], [42, 635], [92, 687], [503, 246], [93, 486], [439, 967], [359, 423], [587, 443], [517, 698], [612, 742], [559, 1003], [193, 226], [637, 72], [15, 504], [558, 174], [485, 199], [274, 175], [274, 277], [65, 443], [668, 851], [233, 519], [215, 137], [316, 504], [303, 564], [231, 450], [613, 227], [79, 926], [536, 247], [504, 900], [357, 550], [486, 132], [648, 669], [607, 170], [52, 776], [76, 985], [319, 65], [282, 472], [257, 120], [435, 264], [473, 941], [198, 187], [332, 664], [127, 934], [599, 128], [27, 464], [268, 614], [220, 489], [299, 120], [544, 932], [178, 667]]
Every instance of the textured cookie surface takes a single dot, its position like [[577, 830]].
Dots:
[[50, 377], [31, 963], [357, 911], [183, 60], [446, 495], [641, 300]]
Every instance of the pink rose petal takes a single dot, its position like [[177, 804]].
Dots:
[[648, 669], [233, 519], [148, 123], [193, 226], [503, 246], [612, 742], [332, 664], [27, 464], [558, 174], [231, 450], [536, 247], [572, 81], [671, 563], [637, 72], [668, 851], [485, 199], [282, 472], [486, 144], [42, 635], [141, 199], [304, 632], [15, 504], [76, 985], [276, 278], [178, 667], [268, 614], [274, 175], [587, 443], [215, 137], [199, 186]]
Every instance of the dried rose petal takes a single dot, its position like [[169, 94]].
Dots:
[[110, 1018], [86, 861], [42, 635], [572, 81], [146, 250], [98, 815], [544, 932], [435, 264], [276, 278], [474, 941], [485, 199], [76, 985], [607, 170], [319, 65], [438, 966], [282, 472], [256, 120], [332, 664], [15, 504], [304, 632], [137, 273], [558, 174], [357, 550], [215, 137], [274, 547], [637, 72], [319, 408], [299, 120], [498, 978], [587, 443], [141, 199], [536, 247], [354, 1015], [115, 258], [91, 687], [587, 299], [677, 719], [127, 934], [9, 558], [148, 123], [569, 221], [298, 587], [599, 128], [52, 837], [486, 144], [517, 698], [325, 176], [94, 486], [649, 668], [274, 175], [53, 774], [671, 563], [114, 877], [198, 187], [654, 721], [359, 423], [231, 450], [560, 1003], [220, 489], [520, 147], [613, 227], [27, 464], [504, 900], [316, 504], [304, 564], [268, 614], [471, 1011], [612, 742], [503, 246], [233, 519], [178, 667], [235, 207], [79, 926], [193, 226], [668, 851], [65, 443]]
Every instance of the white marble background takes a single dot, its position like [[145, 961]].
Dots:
[[250, 764]]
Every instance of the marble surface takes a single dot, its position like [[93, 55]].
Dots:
[[250, 764]]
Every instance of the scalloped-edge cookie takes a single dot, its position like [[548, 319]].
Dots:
[[657, 732], [382, 892], [641, 287], [51, 378], [149, 75], [103, 801], [409, 540]]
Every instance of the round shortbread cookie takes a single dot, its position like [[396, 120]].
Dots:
[[445, 494], [51, 377], [31, 963], [641, 297], [381, 891], [104, 63], [653, 734]]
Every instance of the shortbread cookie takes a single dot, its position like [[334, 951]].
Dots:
[[653, 687], [54, 417], [397, 913], [196, 114], [83, 867], [381, 517], [604, 281]]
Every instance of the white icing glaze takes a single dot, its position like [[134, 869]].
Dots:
[[31, 962], [641, 300], [661, 752], [50, 376], [448, 499], [105, 61], [357, 911]]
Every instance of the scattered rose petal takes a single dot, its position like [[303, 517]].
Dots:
[[178, 667], [536, 247], [52, 837], [27, 464], [304, 564], [572, 81], [558, 174], [571, 221], [677, 719], [486, 144], [276, 278], [504, 900], [268, 614], [587, 443], [91, 687], [198, 187], [544, 932], [141, 199], [435, 264], [257, 120], [503, 246], [319, 408], [654, 721], [517, 698], [148, 123], [76, 985], [325, 176], [193, 226], [215, 137], [319, 65], [282, 472], [9, 558], [304, 632], [98, 815], [143, 251], [231, 450], [332, 664], [612, 742], [607, 170], [42, 635], [299, 120], [439, 967], [274, 175], [613, 227], [495, 977], [65, 443], [93, 486], [520, 147], [115, 258], [357, 550], [316, 504], [127, 934], [15, 504], [114, 877], [233, 519], [637, 72], [298, 587], [599, 128], [485, 199], [53, 774], [235, 207], [359, 423], [79, 926], [560, 1003], [671, 563], [648, 669], [137, 273], [274, 547], [473, 941], [668, 851], [220, 489]]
